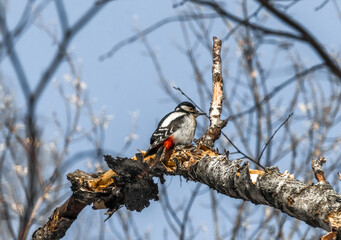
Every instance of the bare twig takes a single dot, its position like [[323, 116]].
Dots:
[[167, 207], [214, 209], [227, 138], [190, 99], [246, 22], [56, 61], [64, 22], [241, 152], [306, 36], [158, 69], [280, 87], [272, 136], [187, 210], [16, 63], [5, 204], [238, 221], [152, 28], [319, 7]]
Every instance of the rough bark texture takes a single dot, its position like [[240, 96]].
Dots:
[[317, 168], [122, 188], [124, 185], [61, 219], [317, 205]]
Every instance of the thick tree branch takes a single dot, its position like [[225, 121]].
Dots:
[[318, 205], [61, 219]]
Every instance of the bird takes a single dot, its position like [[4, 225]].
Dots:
[[176, 128]]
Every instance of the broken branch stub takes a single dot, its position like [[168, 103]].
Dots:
[[317, 168], [216, 124]]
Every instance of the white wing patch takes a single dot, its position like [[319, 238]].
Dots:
[[170, 118]]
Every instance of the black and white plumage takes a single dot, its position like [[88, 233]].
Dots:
[[176, 128]]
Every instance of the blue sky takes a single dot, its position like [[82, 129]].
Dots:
[[127, 83]]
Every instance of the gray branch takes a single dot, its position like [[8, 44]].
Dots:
[[316, 204]]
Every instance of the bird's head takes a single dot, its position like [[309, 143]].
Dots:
[[189, 108]]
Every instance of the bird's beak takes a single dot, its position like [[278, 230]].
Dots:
[[199, 113]]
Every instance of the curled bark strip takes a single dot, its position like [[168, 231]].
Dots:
[[216, 124]]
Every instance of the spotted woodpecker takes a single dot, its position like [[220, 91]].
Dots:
[[176, 128]]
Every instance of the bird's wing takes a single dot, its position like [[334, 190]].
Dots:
[[167, 126]]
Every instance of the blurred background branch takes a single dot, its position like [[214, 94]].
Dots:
[[278, 57]]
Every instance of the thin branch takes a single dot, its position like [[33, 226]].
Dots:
[[319, 7], [246, 22], [168, 208], [6, 208], [62, 48], [158, 69], [148, 30], [214, 209], [64, 22], [306, 36], [25, 21], [16, 63], [187, 210], [190, 99], [272, 136], [238, 221], [227, 138], [279, 88]]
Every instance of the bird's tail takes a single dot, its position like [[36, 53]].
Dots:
[[159, 154]]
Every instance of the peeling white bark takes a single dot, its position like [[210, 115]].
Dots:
[[318, 205], [216, 124]]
